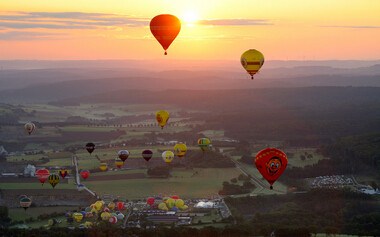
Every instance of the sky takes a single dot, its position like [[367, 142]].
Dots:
[[211, 30]]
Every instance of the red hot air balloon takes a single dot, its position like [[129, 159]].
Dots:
[[42, 175], [150, 201], [165, 29], [63, 173], [120, 206], [147, 154], [271, 163], [85, 174], [175, 197]]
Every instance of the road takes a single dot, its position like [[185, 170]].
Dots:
[[261, 185]]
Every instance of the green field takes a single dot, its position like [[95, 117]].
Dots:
[[18, 214], [295, 160], [36, 185], [186, 183]]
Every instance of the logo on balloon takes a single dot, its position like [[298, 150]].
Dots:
[[273, 165]]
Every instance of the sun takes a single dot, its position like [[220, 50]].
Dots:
[[190, 18]]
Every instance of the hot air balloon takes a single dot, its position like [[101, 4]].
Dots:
[[252, 60], [29, 128], [162, 206], [25, 202], [120, 206], [111, 205], [119, 163], [168, 156], [53, 180], [63, 173], [123, 155], [98, 205], [103, 166], [170, 203], [147, 154], [271, 163], [179, 203], [90, 147], [150, 201], [77, 216], [204, 143], [105, 216], [120, 216], [175, 197], [162, 118], [113, 219], [180, 149], [85, 174], [42, 175], [165, 29]]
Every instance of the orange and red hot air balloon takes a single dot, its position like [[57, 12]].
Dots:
[[165, 29], [271, 163]]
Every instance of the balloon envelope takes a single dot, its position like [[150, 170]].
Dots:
[[271, 163], [53, 180], [162, 118], [123, 155], [150, 201], [42, 175], [29, 128], [90, 147], [147, 154], [180, 149], [119, 163], [252, 60], [103, 166], [85, 174], [25, 202], [63, 173], [78, 216], [204, 143], [168, 156], [165, 29]]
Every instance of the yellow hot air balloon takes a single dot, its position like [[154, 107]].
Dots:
[[105, 216], [111, 205], [119, 163], [180, 149], [179, 203], [103, 166], [184, 207], [88, 224], [77, 216], [29, 127], [204, 143], [98, 205], [170, 203], [53, 180], [162, 118], [168, 156], [252, 60], [162, 206]]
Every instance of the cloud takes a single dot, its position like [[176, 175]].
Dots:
[[235, 22], [67, 20], [26, 35], [353, 27]]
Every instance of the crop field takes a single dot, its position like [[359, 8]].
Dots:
[[186, 183]]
